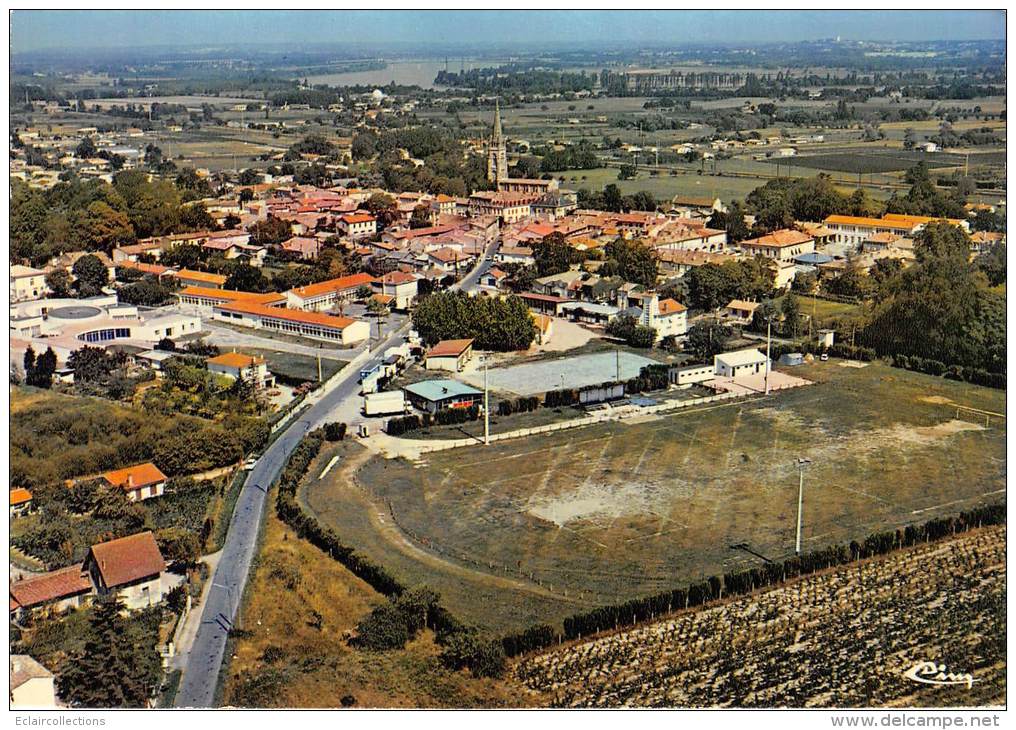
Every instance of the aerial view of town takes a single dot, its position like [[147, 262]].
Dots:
[[507, 359]]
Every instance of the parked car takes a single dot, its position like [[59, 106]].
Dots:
[[824, 357]]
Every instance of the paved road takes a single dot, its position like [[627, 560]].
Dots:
[[202, 666], [197, 687], [469, 282]]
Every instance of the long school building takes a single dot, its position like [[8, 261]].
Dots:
[[314, 325]]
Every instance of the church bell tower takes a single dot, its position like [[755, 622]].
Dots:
[[497, 151]]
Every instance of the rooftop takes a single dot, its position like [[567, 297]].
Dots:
[[292, 315], [203, 276], [435, 390], [779, 239], [132, 477], [450, 348], [51, 586], [343, 283], [236, 360], [128, 559], [748, 356]]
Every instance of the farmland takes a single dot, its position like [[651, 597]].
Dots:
[[843, 638], [527, 531], [872, 160]]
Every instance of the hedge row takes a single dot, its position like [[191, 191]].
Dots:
[[518, 405], [309, 529], [745, 581], [447, 417], [964, 373], [306, 527]]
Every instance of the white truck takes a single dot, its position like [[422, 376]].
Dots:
[[385, 403]]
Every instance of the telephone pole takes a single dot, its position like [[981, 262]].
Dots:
[[769, 341], [486, 406], [801, 464]]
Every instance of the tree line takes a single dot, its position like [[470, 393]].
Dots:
[[747, 580]]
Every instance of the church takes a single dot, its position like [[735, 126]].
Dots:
[[497, 164]]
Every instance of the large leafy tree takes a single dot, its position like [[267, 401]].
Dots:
[[706, 339], [91, 275], [636, 262], [119, 665], [500, 325], [941, 307], [553, 255]]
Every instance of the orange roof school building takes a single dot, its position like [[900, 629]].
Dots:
[[855, 230], [315, 325]]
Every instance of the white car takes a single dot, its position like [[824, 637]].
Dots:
[[824, 357], [249, 464]]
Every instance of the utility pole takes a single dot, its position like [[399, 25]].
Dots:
[[486, 406], [769, 341], [801, 464], [617, 363], [319, 378]]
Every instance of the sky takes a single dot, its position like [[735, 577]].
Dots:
[[62, 29]]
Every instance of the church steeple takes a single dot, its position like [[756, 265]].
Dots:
[[497, 121], [497, 149]]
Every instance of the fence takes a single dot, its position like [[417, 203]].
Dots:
[[615, 414]]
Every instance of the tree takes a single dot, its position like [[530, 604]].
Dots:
[[118, 666], [144, 293], [553, 255], [612, 199], [500, 325], [790, 308], [909, 138], [40, 375], [59, 283], [383, 208], [636, 262], [245, 277], [270, 230], [105, 228], [731, 221], [941, 308], [91, 274], [420, 217], [707, 339], [86, 148], [992, 263]]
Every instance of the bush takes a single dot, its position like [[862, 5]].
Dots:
[[383, 629], [484, 658], [335, 431], [518, 405]]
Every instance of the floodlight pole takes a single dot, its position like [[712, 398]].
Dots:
[[486, 406], [801, 464]]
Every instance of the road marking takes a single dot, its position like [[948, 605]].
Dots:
[[328, 467]]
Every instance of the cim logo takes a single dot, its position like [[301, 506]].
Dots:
[[932, 673]]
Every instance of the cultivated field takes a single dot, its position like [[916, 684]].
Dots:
[[844, 638], [605, 513]]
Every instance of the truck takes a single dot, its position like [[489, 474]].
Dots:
[[385, 403]]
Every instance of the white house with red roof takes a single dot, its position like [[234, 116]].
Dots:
[[399, 285], [140, 482], [357, 225], [668, 317], [130, 567]]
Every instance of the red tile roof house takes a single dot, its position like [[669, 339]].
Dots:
[[21, 501], [449, 355], [141, 481], [401, 286], [49, 593], [130, 567], [302, 247]]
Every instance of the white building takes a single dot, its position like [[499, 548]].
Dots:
[[31, 684], [27, 283], [739, 362], [667, 317]]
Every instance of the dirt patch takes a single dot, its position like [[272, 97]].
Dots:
[[938, 400], [602, 501], [853, 364]]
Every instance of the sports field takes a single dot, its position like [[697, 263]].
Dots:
[[623, 509]]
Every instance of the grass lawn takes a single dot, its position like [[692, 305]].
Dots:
[[302, 606], [823, 310], [535, 529], [295, 366]]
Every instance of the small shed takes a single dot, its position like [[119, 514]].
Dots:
[[792, 359], [451, 355]]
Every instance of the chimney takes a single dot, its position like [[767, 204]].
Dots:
[[130, 480]]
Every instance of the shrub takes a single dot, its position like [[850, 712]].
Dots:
[[335, 431]]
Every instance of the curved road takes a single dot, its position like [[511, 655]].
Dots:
[[202, 666]]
